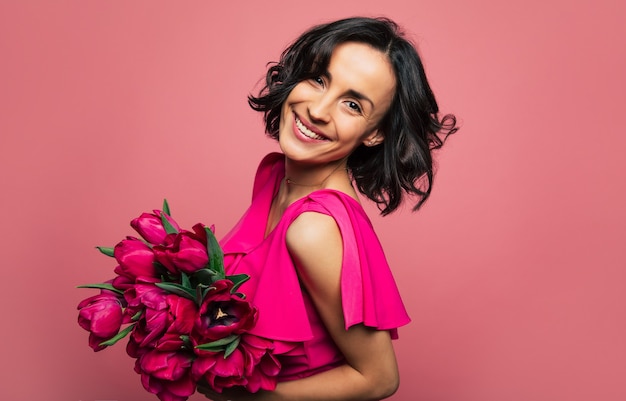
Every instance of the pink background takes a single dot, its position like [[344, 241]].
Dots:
[[514, 272]]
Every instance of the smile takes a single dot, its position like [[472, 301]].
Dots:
[[307, 132]]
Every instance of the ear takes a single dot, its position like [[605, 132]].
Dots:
[[374, 138]]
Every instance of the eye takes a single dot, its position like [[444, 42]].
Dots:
[[354, 106], [319, 81]]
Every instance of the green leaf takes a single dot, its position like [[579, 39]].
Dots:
[[119, 336], [136, 316], [169, 228], [218, 343], [201, 291], [178, 290], [231, 347], [216, 256], [205, 276], [102, 286], [238, 280], [209, 348], [199, 295], [185, 280], [161, 270], [166, 207], [106, 251], [186, 342]]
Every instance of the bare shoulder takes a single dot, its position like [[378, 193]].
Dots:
[[314, 242], [312, 229]]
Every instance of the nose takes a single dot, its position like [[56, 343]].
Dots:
[[319, 109]]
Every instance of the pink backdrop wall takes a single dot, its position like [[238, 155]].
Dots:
[[513, 272]]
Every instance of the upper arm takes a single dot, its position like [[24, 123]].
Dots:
[[316, 245]]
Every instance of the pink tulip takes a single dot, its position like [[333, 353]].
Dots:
[[152, 302], [262, 366], [219, 372], [182, 314], [101, 315], [146, 295], [170, 341], [136, 259], [163, 328], [95, 341], [167, 325], [134, 350], [162, 314], [167, 374], [122, 283], [166, 365], [251, 365], [184, 252], [222, 314], [150, 226]]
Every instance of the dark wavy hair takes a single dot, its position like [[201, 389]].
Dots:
[[402, 164]]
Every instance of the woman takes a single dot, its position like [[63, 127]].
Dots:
[[350, 107]]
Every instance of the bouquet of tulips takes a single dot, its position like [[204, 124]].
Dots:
[[184, 318]]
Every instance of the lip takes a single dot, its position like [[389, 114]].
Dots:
[[309, 127]]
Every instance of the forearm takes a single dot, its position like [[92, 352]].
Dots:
[[343, 383]]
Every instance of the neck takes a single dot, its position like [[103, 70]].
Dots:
[[314, 177]]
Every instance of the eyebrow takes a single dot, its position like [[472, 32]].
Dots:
[[351, 92]]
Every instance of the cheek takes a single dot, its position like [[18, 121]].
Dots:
[[353, 130], [288, 104], [302, 92], [295, 92], [284, 111]]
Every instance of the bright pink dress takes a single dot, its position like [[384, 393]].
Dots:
[[286, 313]]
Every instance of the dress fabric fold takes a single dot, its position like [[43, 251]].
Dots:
[[286, 313]]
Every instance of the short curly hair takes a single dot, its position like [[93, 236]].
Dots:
[[402, 164]]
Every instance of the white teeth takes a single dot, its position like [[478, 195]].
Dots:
[[306, 131]]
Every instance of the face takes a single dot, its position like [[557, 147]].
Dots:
[[325, 118]]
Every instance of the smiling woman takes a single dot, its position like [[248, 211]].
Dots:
[[352, 112], [411, 126], [325, 118]]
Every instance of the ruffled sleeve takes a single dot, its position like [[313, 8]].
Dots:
[[369, 293], [368, 290]]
